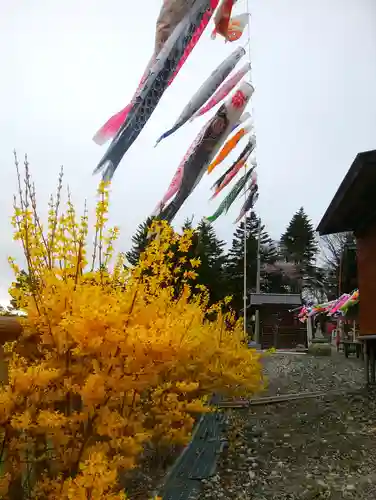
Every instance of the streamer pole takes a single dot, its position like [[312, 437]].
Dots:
[[245, 261], [245, 287], [258, 284]]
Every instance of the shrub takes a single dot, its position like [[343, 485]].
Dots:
[[109, 359]]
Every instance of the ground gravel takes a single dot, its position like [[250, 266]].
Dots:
[[307, 449]]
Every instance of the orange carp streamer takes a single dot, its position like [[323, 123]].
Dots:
[[229, 146], [235, 29], [222, 18], [229, 177], [231, 172]]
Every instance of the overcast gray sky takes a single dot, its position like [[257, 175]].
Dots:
[[67, 66]]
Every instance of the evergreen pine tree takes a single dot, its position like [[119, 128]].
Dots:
[[139, 242], [187, 224], [22, 282], [298, 246], [210, 251], [235, 266], [298, 242], [205, 246]]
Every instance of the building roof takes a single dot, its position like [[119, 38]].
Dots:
[[290, 299], [353, 207]]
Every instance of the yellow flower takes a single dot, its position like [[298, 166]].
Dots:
[[195, 262], [51, 419], [110, 359], [187, 386], [190, 275], [21, 421], [5, 480]]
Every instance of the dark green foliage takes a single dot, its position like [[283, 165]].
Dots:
[[287, 267], [22, 281], [210, 251], [139, 242], [205, 246], [235, 264], [298, 243], [298, 246]]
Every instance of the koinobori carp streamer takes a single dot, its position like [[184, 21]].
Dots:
[[229, 146], [223, 90], [152, 90], [215, 133], [177, 178], [235, 28], [231, 197], [249, 203], [230, 173], [171, 14], [222, 17], [206, 90]]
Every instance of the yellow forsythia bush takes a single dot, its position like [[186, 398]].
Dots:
[[110, 359]]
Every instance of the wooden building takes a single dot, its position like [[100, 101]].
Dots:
[[353, 208], [279, 326]]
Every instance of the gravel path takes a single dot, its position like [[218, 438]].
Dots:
[[308, 449]]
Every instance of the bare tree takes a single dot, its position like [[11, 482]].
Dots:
[[332, 247], [332, 250]]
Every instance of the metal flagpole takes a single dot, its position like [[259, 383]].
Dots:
[[258, 284], [245, 261], [245, 288]]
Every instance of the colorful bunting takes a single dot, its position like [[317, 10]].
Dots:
[[335, 308]]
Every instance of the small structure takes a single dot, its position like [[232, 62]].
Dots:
[[353, 208], [279, 326]]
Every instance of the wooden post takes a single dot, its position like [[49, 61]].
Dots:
[[366, 251], [309, 331]]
